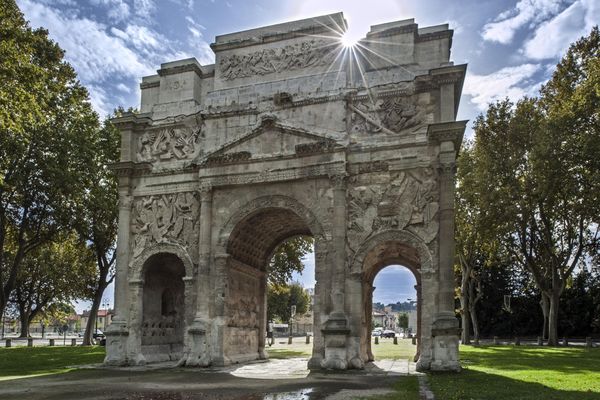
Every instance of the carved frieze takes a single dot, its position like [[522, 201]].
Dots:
[[169, 218], [391, 115], [407, 201], [310, 53], [168, 144]]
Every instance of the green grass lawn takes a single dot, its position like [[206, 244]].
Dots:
[[521, 373], [17, 362]]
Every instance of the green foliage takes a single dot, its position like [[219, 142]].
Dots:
[[535, 172], [51, 276], [525, 373], [403, 320], [280, 299], [287, 259], [48, 136]]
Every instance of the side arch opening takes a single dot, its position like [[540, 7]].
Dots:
[[163, 307]]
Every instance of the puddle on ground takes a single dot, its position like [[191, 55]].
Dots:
[[302, 394]]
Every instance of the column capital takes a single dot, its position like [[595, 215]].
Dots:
[[125, 202], [339, 181], [205, 192]]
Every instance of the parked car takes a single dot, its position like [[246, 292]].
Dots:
[[376, 332], [388, 333], [98, 335]]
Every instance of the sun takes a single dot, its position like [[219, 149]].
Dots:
[[348, 40]]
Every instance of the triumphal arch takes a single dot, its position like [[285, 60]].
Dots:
[[288, 133]]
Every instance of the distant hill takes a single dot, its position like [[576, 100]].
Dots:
[[396, 307]]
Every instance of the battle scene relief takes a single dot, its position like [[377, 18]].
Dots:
[[391, 115], [306, 54], [171, 218], [399, 200]]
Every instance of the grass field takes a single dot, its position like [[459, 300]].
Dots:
[[522, 373], [18, 362]]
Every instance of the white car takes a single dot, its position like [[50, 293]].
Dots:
[[376, 332]]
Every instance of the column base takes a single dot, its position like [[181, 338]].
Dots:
[[445, 334], [335, 333], [198, 355], [116, 344]]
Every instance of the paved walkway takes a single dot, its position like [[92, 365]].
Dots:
[[285, 379]]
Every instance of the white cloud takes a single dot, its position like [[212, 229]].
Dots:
[[100, 53], [144, 9], [511, 82], [552, 38], [124, 88], [117, 10], [503, 29], [92, 51]]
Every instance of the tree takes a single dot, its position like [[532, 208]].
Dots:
[[47, 131], [287, 259], [280, 299], [403, 321], [471, 246], [532, 199], [97, 224], [52, 274]]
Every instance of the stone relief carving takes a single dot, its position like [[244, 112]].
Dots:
[[409, 201], [242, 301], [165, 218], [167, 144], [389, 115], [267, 61]]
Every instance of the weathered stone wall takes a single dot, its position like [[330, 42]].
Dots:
[[289, 134]]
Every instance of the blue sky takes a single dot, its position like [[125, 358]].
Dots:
[[511, 46]]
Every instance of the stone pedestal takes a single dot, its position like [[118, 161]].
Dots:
[[335, 333], [445, 333], [198, 356], [116, 343]]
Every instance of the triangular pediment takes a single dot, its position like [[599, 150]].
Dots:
[[270, 139]]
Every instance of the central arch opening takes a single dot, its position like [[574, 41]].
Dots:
[[251, 246], [395, 255]]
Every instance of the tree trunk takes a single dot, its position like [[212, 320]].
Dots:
[[545, 305], [466, 328], [475, 323], [553, 319], [24, 320], [91, 323]]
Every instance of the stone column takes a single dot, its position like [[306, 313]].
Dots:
[[445, 327], [116, 334], [136, 317], [219, 323], [199, 354], [336, 330]]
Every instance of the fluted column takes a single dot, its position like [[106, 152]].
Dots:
[[204, 251], [122, 261], [198, 331], [338, 243], [446, 260], [117, 332]]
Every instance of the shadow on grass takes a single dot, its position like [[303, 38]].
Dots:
[[476, 385], [28, 361]]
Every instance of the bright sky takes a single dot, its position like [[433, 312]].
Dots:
[[511, 46]]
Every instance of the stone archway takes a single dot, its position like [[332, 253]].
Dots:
[[163, 308], [249, 239], [227, 160], [387, 248], [163, 271]]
